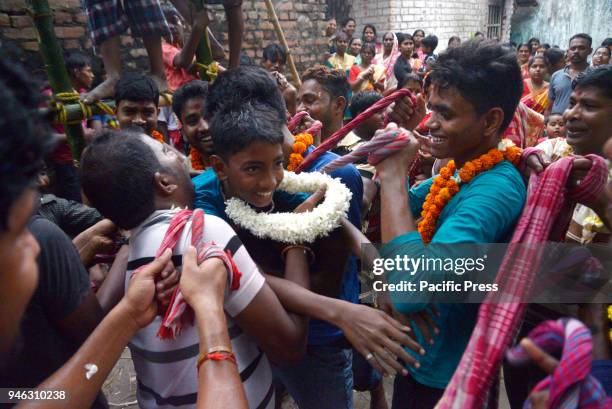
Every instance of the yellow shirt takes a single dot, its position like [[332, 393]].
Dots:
[[341, 63]]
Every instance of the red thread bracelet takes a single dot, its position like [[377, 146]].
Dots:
[[217, 356]]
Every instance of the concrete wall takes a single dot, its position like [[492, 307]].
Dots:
[[444, 18], [302, 21]]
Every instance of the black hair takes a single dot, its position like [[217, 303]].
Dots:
[[583, 36], [366, 27], [538, 57], [554, 55], [348, 20], [353, 40], [342, 36], [117, 174], [600, 78], [546, 46], [401, 69], [521, 45], [479, 33], [547, 118], [530, 43], [368, 46], [362, 101], [246, 60], [430, 41], [485, 73], [418, 31], [333, 81], [607, 42], [604, 47], [242, 84], [169, 10], [190, 90], [409, 77], [401, 37], [76, 61], [234, 128], [274, 52], [389, 32], [26, 136], [136, 87], [453, 38]]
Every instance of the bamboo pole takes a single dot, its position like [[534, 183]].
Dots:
[[52, 55], [203, 52], [283, 41]]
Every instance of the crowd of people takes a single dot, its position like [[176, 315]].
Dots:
[[145, 244]]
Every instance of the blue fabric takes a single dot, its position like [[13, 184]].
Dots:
[[484, 211], [319, 332], [322, 380], [209, 198], [560, 90]]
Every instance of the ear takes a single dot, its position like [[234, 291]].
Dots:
[[219, 166], [165, 184], [339, 105], [492, 121]]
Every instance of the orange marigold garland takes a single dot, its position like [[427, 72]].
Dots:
[[445, 186], [196, 159], [300, 145], [158, 136]]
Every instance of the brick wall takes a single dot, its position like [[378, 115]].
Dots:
[[303, 23], [444, 18]]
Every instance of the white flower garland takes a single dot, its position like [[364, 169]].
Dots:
[[296, 227]]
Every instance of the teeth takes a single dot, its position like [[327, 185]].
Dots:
[[264, 194], [436, 139]]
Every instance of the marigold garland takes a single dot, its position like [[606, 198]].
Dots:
[[158, 136], [445, 186], [196, 159], [300, 145], [610, 318]]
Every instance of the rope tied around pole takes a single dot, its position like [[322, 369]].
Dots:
[[211, 70], [61, 99], [333, 140]]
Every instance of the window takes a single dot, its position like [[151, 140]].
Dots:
[[494, 21]]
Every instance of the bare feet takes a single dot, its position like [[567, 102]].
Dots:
[[106, 90]]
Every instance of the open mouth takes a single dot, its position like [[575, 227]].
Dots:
[[437, 140]]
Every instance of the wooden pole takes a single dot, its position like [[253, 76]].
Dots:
[[53, 58], [283, 41]]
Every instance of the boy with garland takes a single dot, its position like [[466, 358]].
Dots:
[[252, 170], [137, 102], [159, 186], [466, 124]]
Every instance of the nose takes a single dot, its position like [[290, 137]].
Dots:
[[570, 113], [268, 182], [139, 119], [432, 122], [302, 107], [203, 126]]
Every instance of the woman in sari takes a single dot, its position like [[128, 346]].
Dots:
[[367, 76], [389, 54], [535, 90], [418, 36], [369, 36], [523, 54]]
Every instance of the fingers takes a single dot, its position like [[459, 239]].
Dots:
[[400, 336], [424, 328], [539, 357], [426, 316], [190, 258], [156, 267]]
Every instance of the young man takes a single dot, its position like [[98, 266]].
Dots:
[[66, 175], [274, 60], [159, 182], [188, 105], [561, 81], [341, 60], [137, 101], [323, 379], [466, 123]]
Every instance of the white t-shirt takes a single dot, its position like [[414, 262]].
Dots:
[[166, 369]]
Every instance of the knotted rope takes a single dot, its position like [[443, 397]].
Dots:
[[211, 70], [333, 140], [570, 386], [546, 213], [61, 99], [179, 313], [297, 119]]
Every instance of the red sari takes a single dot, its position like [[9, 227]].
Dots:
[[536, 100]]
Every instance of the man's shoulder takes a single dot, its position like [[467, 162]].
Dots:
[[504, 178]]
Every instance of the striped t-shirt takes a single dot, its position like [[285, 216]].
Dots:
[[166, 369]]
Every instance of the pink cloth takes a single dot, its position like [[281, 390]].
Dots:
[[175, 76], [179, 313], [548, 205]]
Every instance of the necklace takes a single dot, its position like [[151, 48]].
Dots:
[[446, 185]]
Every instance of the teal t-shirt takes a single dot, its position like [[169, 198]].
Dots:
[[483, 211], [209, 198]]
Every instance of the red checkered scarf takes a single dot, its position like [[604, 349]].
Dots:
[[570, 386], [500, 315], [179, 313]]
